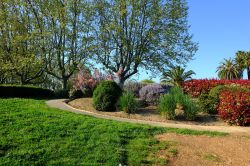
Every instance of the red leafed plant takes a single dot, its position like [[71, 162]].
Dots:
[[196, 87], [234, 107]]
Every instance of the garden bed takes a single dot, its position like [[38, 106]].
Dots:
[[148, 113]]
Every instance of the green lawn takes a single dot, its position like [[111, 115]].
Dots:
[[33, 134]]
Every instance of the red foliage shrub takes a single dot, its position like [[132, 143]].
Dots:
[[234, 107], [196, 87]]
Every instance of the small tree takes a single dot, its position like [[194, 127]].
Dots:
[[228, 69], [176, 76]]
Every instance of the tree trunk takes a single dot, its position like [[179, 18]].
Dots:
[[248, 73], [65, 84], [121, 81]]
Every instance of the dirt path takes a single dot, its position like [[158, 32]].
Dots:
[[209, 151], [228, 129]]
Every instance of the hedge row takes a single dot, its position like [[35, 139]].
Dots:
[[196, 87], [24, 91]]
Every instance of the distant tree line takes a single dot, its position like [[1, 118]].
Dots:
[[45, 42]]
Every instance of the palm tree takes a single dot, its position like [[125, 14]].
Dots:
[[228, 69], [243, 61], [176, 76]]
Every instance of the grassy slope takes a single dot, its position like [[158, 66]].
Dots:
[[33, 134]]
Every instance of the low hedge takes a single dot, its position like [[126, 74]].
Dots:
[[24, 91]]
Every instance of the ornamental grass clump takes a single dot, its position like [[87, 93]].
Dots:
[[128, 103], [169, 102], [167, 106]]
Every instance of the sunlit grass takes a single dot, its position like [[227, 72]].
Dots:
[[34, 134]]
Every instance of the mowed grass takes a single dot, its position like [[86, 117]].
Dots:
[[31, 133]]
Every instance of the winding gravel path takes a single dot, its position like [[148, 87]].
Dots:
[[60, 104]]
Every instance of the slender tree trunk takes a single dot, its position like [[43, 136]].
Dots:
[[248, 73], [65, 84], [121, 81]]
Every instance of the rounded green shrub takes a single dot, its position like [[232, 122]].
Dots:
[[128, 103], [106, 96]]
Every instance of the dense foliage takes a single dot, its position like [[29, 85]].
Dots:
[[209, 100], [128, 103], [197, 86], [141, 34], [151, 93], [24, 91], [234, 107], [106, 95]]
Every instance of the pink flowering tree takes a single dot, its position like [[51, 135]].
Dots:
[[85, 81]]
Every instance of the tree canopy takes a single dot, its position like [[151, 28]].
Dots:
[[145, 34], [46, 41]]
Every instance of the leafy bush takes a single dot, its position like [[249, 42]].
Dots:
[[209, 100], [214, 98], [234, 107], [106, 96], [24, 91], [151, 93], [133, 87], [196, 87], [168, 104], [128, 103]]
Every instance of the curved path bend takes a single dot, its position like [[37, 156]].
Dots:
[[60, 104]]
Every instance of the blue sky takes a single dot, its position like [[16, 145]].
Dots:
[[221, 27]]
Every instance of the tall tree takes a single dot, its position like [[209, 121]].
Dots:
[[243, 61], [149, 34], [70, 39], [20, 42], [228, 69]]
